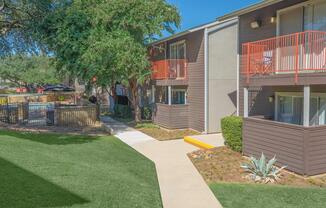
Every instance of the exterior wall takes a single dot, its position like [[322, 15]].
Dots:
[[267, 30], [222, 74], [259, 104], [196, 88], [316, 151], [301, 149], [195, 82], [172, 116]]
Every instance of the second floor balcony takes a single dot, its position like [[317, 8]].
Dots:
[[296, 53], [169, 69]]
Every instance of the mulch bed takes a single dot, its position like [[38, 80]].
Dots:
[[223, 165], [165, 135]]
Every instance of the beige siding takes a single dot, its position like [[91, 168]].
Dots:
[[272, 138], [222, 73], [316, 150], [172, 116], [196, 88], [301, 149], [267, 30], [195, 84]]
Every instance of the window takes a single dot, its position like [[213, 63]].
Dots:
[[315, 16], [179, 96], [177, 54], [178, 50], [289, 108], [161, 95], [310, 15]]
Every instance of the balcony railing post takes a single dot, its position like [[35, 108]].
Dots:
[[166, 66], [296, 58], [248, 62], [286, 54]]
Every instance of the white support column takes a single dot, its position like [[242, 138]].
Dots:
[[306, 106], [153, 93], [245, 102], [170, 95]]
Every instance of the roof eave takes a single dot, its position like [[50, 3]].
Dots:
[[194, 29], [249, 9]]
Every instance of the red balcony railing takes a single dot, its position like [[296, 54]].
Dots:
[[294, 53], [169, 69]]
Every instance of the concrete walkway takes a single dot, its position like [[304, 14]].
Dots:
[[180, 183]]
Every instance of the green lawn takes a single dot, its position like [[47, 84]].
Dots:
[[266, 196], [49, 170]]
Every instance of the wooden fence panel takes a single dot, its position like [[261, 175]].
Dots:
[[79, 116]]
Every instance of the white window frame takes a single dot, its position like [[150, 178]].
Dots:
[[178, 43], [291, 94], [303, 4]]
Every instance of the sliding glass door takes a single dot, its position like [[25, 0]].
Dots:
[[177, 57], [290, 109], [315, 16]]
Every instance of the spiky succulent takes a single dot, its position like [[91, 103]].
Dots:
[[262, 171]]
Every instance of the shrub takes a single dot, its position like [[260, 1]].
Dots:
[[122, 111], [232, 132], [146, 125], [262, 171], [61, 98], [147, 113]]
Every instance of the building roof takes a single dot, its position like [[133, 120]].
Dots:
[[191, 30], [248, 9]]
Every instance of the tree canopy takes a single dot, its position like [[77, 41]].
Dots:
[[18, 24], [107, 39], [28, 71], [102, 39]]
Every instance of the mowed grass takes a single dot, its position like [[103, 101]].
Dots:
[[268, 196], [51, 170]]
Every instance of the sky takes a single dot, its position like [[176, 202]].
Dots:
[[197, 12]]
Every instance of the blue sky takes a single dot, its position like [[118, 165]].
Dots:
[[197, 12]]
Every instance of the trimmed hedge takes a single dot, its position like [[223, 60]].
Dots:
[[232, 132]]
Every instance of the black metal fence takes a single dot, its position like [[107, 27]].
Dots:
[[47, 114]]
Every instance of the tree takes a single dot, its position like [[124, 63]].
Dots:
[[18, 24], [107, 39], [28, 71]]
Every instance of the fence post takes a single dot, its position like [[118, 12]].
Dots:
[[7, 111], [98, 111]]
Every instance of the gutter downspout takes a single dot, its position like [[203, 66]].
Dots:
[[206, 79], [238, 67]]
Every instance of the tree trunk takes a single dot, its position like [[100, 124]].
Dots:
[[135, 99]]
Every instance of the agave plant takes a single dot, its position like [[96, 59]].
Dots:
[[262, 171]]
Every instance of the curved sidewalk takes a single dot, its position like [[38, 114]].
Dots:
[[180, 183]]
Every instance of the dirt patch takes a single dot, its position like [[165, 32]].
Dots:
[[96, 130], [157, 132], [223, 165], [164, 135]]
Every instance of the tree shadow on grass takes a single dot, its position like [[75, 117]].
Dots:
[[50, 139], [20, 188]]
